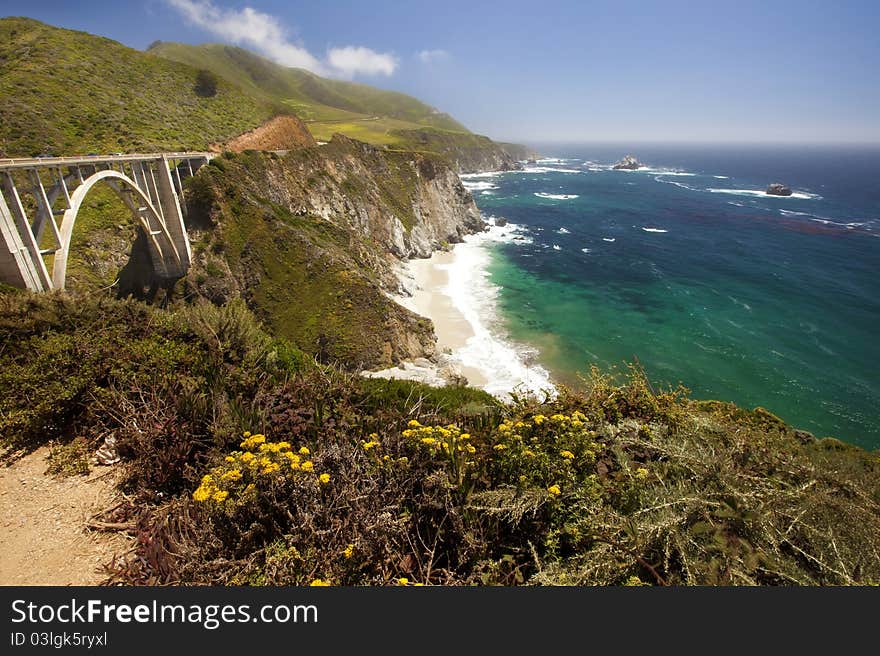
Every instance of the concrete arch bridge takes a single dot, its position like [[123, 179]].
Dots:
[[41, 197]]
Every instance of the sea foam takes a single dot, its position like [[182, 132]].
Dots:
[[541, 194], [505, 364], [802, 195]]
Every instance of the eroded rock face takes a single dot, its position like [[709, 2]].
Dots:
[[778, 189], [628, 163]]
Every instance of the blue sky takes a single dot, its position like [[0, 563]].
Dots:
[[795, 71]]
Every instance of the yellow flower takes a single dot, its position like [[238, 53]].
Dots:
[[206, 479], [247, 457], [500, 447], [290, 455], [229, 459], [283, 446], [539, 419], [202, 494], [320, 583], [568, 455], [464, 436], [249, 488], [578, 415], [471, 448], [348, 552], [246, 434], [372, 444], [412, 423], [554, 490], [641, 473], [308, 466], [430, 441], [304, 451], [528, 453], [324, 478], [220, 495], [231, 475], [271, 468], [403, 581]]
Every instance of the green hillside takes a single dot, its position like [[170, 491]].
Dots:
[[327, 105], [67, 92]]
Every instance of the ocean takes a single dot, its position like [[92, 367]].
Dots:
[[688, 268]]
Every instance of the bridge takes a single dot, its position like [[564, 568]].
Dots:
[[35, 193]]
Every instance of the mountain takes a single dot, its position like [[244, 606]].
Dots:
[[66, 92], [314, 99], [328, 107]]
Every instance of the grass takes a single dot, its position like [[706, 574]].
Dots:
[[68, 93]]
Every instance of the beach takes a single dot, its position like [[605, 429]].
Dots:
[[454, 289]]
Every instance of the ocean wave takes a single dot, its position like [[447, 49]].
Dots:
[[826, 220], [541, 194], [564, 231], [721, 177], [609, 239], [801, 195], [659, 178], [478, 186], [667, 172], [654, 229], [484, 174], [557, 247], [504, 363], [487, 193], [547, 169], [585, 250]]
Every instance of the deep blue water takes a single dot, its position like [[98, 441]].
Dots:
[[743, 297]]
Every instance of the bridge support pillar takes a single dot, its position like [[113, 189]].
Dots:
[[173, 214], [16, 267]]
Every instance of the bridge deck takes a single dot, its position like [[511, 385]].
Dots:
[[54, 162]]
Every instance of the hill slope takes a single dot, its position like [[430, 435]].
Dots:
[[313, 98], [67, 92]]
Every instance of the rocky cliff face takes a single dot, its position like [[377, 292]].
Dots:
[[465, 152], [310, 240]]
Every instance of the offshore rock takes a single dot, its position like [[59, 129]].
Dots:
[[628, 163], [778, 189]]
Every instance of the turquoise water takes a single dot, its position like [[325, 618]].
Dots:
[[705, 281]]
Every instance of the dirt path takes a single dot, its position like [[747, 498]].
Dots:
[[43, 539]]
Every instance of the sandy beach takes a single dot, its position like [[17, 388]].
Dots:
[[454, 290]]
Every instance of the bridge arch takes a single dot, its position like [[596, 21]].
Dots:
[[163, 253]]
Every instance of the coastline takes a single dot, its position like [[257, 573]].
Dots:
[[453, 289]]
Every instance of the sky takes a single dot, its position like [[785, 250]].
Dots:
[[569, 70]]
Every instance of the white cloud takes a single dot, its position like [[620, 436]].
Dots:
[[355, 59], [266, 34], [430, 56]]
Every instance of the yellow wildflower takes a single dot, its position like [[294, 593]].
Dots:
[[283, 446], [229, 459], [372, 444], [304, 451], [641, 473], [206, 479], [403, 581], [271, 468], [348, 552], [320, 583], [249, 488], [568, 455], [202, 494], [500, 447], [247, 457], [324, 478], [471, 448], [464, 436], [231, 475], [430, 441], [554, 490], [539, 419], [220, 495], [308, 466], [412, 423], [246, 434], [528, 453]]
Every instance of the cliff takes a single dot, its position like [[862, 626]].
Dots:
[[310, 239], [467, 153]]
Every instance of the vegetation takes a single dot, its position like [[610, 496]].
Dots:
[[313, 98], [68, 93], [315, 281], [247, 463]]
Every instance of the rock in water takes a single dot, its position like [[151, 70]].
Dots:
[[628, 163], [778, 189]]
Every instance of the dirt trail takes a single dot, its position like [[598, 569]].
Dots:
[[43, 536]]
